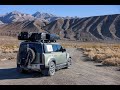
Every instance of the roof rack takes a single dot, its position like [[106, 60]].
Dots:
[[38, 37], [43, 41]]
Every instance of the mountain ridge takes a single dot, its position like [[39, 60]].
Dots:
[[95, 28]]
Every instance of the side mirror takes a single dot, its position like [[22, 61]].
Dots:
[[63, 50]]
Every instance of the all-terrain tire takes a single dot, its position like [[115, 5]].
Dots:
[[21, 70], [50, 71], [69, 63]]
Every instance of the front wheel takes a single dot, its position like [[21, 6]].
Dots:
[[69, 63], [50, 71]]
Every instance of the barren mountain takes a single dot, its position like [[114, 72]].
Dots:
[[87, 29], [15, 16], [14, 28], [45, 16], [96, 28]]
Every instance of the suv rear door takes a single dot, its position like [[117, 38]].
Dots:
[[36, 47]]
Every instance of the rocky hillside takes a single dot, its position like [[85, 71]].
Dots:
[[96, 28], [13, 29], [87, 29]]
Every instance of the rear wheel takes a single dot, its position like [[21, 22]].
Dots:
[[21, 70], [50, 71]]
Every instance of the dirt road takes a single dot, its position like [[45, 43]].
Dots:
[[82, 72]]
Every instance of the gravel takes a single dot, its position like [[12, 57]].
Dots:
[[82, 72]]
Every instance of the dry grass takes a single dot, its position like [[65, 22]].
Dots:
[[8, 48], [112, 61], [107, 54]]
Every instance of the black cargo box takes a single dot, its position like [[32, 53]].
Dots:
[[23, 36], [37, 36]]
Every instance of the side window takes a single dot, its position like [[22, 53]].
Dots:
[[59, 48], [48, 48], [54, 48]]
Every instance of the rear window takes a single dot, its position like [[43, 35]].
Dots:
[[36, 47]]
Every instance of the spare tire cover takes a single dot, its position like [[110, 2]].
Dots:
[[30, 55]]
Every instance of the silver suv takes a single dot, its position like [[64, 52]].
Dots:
[[46, 57]]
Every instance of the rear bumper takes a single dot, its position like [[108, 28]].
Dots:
[[42, 67], [36, 67]]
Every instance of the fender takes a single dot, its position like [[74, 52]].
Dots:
[[68, 56], [49, 60]]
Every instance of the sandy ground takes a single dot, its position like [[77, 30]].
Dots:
[[82, 72]]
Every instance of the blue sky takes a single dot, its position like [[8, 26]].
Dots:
[[64, 10]]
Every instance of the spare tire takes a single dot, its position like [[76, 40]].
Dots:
[[30, 56]]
